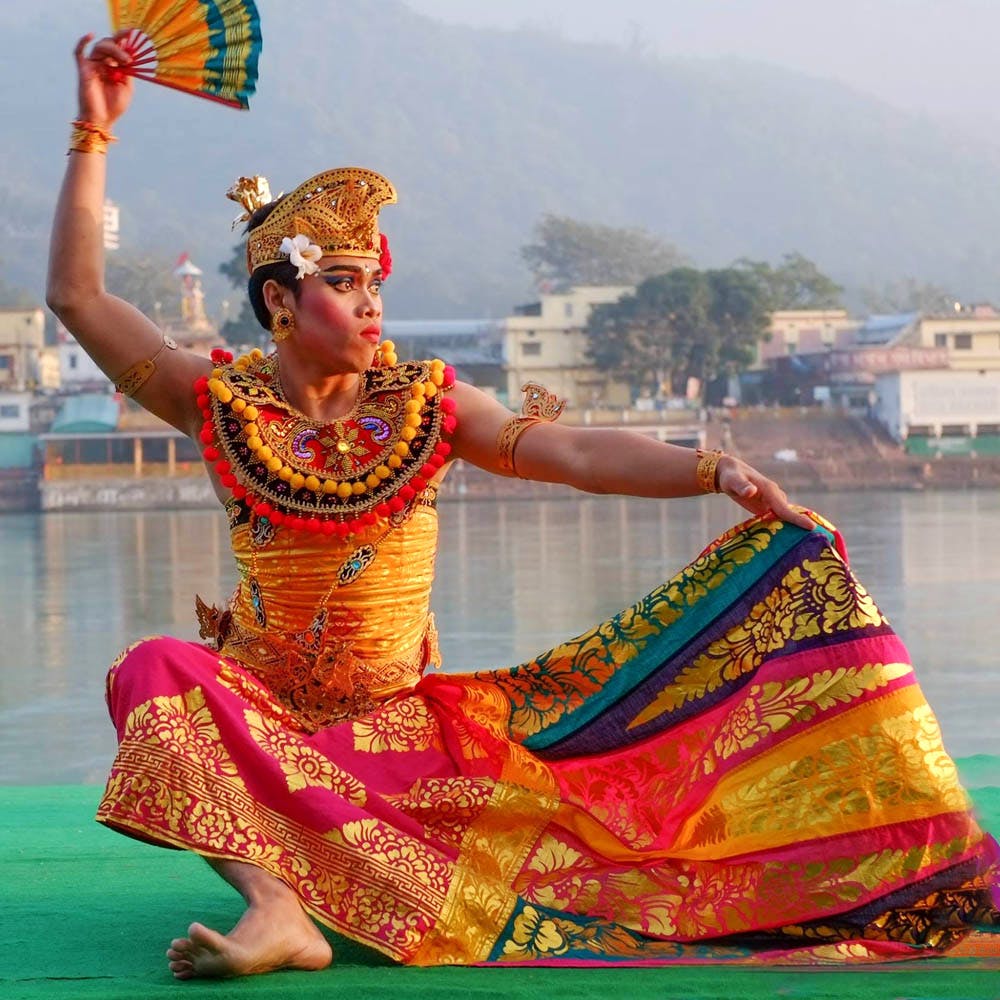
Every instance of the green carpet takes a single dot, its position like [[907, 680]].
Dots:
[[88, 913]]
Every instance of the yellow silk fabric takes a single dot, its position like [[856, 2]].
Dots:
[[383, 614]]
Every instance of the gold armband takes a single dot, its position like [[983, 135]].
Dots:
[[539, 406], [707, 472], [131, 381], [89, 138]]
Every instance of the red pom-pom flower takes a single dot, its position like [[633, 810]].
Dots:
[[385, 258]]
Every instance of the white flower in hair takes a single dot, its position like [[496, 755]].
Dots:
[[303, 254]]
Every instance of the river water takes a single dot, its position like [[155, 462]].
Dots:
[[513, 578]]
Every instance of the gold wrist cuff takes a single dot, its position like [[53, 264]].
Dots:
[[131, 381], [707, 472]]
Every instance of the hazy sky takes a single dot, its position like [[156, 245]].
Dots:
[[934, 55]]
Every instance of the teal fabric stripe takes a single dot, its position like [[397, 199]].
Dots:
[[538, 933], [662, 647]]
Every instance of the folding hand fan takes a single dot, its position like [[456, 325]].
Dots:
[[208, 48]]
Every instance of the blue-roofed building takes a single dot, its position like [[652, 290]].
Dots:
[[886, 329], [473, 346]]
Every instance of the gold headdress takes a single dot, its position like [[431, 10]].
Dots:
[[336, 210]]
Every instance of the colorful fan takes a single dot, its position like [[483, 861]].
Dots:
[[208, 48]]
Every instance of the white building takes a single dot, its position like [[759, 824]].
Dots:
[[77, 370], [15, 412], [939, 405]]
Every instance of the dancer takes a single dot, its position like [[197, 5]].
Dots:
[[740, 768]]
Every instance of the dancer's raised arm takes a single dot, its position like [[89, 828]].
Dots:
[[114, 333]]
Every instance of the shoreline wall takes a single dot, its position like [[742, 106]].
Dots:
[[470, 484]]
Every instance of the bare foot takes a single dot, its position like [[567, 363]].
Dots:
[[275, 935]]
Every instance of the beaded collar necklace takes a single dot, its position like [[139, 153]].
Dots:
[[336, 478]]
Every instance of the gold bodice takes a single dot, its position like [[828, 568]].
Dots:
[[330, 649]]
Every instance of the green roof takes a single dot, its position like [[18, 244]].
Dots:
[[88, 413], [17, 450]]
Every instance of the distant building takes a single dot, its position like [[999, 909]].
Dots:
[[22, 340], [474, 347], [806, 331], [15, 412], [112, 225], [941, 412], [545, 342], [970, 336]]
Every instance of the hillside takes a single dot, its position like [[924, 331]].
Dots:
[[483, 131]]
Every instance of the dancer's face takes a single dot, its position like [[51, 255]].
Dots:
[[338, 313]]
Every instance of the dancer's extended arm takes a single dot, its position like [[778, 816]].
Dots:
[[113, 332]]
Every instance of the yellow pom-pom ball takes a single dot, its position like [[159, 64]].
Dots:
[[437, 365], [251, 430], [437, 378], [225, 394], [239, 405], [241, 365], [330, 486], [251, 413], [417, 390], [254, 443], [394, 461], [344, 490], [412, 406], [383, 471], [387, 345], [412, 420], [296, 480], [408, 433], [256, 354], [401, 448], [430, 389], [274, 465], [359, 488], [286, 472], [216, 373], [372, 480], [312, 484], [264, 453]]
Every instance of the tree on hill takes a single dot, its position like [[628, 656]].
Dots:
[[680, 325], [567, 252], [244, 329], [796, 283], [909, 295], [147, 282]]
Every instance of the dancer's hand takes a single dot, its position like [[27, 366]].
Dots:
[[754, 492], [104, 91]]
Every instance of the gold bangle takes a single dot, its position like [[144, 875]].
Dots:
[[707, 472], [538, 406], [89, 138], [131, 381], [507, 440]]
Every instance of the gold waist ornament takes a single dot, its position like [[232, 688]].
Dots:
[[320, 681]]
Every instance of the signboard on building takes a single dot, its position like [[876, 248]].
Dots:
[[877, 360]]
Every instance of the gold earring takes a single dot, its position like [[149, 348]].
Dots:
[[282, 324]]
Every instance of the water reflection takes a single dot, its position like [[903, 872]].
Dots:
[[513, 579]]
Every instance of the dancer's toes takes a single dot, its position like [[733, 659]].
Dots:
[[258, 943]]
